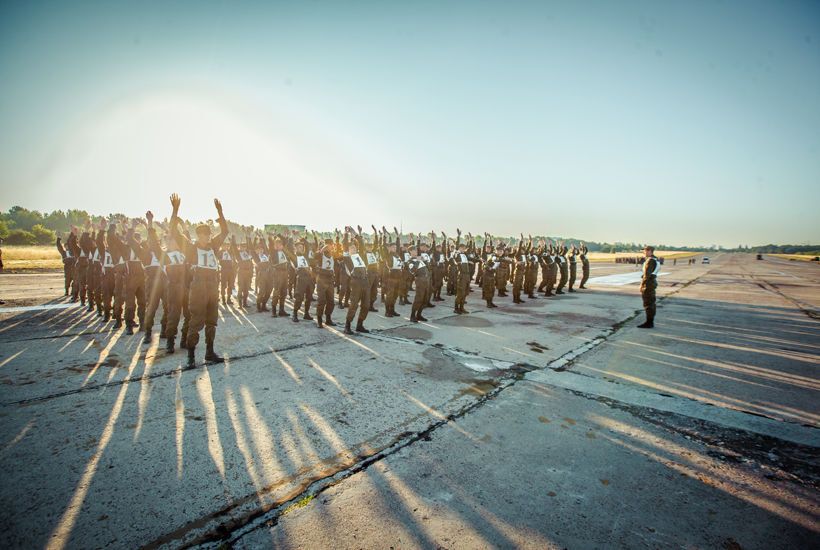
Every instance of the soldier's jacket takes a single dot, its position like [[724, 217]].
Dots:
[[300, 262], [651, 268], [277, 258], [201, 259], [392, 262], [354, 265], [143, 250], [67, 252], [324, 268]]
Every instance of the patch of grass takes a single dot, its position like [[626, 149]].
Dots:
[[799, 257], [31, 257], [300, 504]]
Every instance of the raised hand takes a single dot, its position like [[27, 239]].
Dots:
[[360, 229], [218, 206], [458, 230], [175, 202]]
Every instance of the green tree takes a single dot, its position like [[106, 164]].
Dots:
[[20, 236], [43, 234]]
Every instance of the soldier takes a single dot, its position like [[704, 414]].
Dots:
[[439, 269], [533, 265], [584, 265], [573, 266], [649, 282], [420, 271], [519, 269], [462, 264], [502, 272], [81, 250], [372, 261], [227, 275], [303, 285], [154, 275], [563, 268], [244, 270], [344, 278], [203, 298], [106, 272], [393, 272], [177, 280], [264, 274], [280, 273], [489, 265], [69, 263], [359, 285], [119, 252], [324, 268], [134, 282]]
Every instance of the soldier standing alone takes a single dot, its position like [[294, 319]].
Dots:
[[649, 282]]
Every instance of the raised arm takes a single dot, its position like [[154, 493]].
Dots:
[[223, 227]]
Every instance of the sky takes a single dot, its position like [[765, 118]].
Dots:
[[685, 123]]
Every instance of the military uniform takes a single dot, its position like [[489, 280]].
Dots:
[[244, 272], [563, 270], [280, 272], [303, 283], [649, 282], [227, 275], [356, 271], [489, 266], [573, 267], [420, 271], [584, 267], [69, 264], [154, 279], [324, 269], [394, 273], [203, 295]]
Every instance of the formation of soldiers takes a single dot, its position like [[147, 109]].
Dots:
[[124, 277]]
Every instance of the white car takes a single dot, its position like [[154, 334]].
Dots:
[[705, 260]]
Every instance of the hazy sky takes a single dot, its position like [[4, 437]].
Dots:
[[673, 122]]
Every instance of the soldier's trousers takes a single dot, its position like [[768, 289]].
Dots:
[[107, 285], [564, 275], [420, 298], [344, 287], [573, 271], [518, 282], [186, 311], [120, 276], [452, 279], [545, 273], [155, 292], [264, 287], [69, 269], [373, 280], [488, 286], [359, 298], [584, 274], [392, 282], [648, 296], [134, 296], [501, 276], [227, 281], [81, 277], [553, 279], [324, 303], [95, 285], [438, 282], [244, 283], [462, 285], [203, 303], [302, 291], [174, 294], [529, 280], [280, 289]]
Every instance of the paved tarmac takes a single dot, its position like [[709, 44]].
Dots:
[[555, 423]]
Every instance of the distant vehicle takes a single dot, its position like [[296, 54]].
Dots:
[[705, 260], [760, 256]]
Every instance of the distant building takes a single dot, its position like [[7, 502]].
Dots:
[[278, 228]]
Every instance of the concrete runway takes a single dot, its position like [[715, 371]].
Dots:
[[554, 423]]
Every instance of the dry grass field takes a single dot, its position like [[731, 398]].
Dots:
[[31, 257], [794, 257]]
